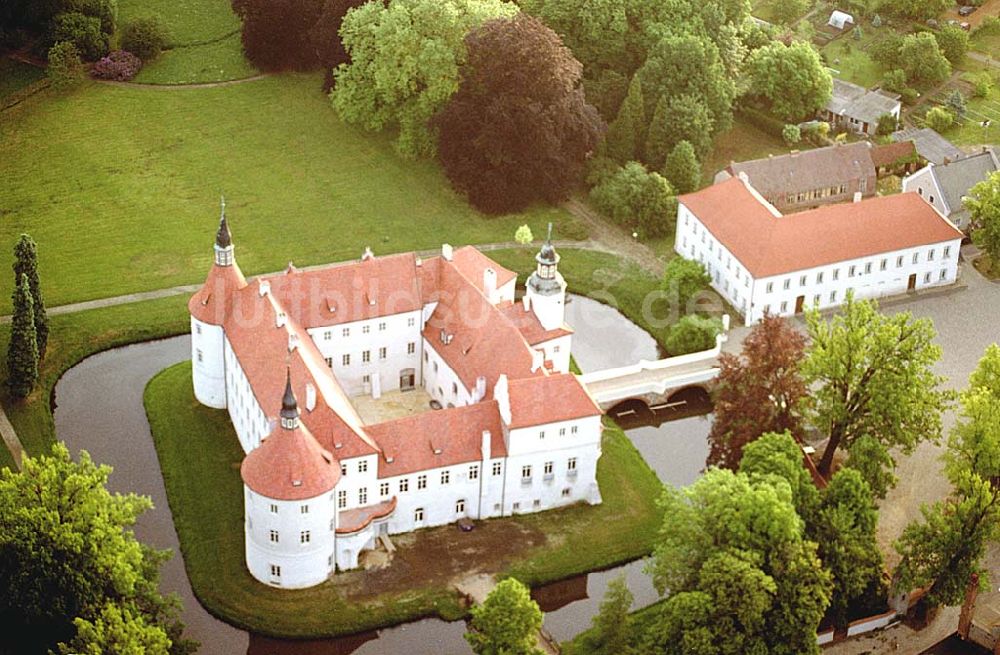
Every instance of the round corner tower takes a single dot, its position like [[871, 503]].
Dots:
[[546, 288]]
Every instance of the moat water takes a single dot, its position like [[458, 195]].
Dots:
[[99, 409]]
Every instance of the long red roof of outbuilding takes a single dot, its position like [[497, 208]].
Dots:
[[768, 245]]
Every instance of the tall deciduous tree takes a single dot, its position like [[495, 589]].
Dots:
[[67, 551], [983, 203], [922, 60], [682, 169], [953, 42], [741, 576], [22, 351], [518, 129], [946, 548], [26, 263], [638, 199], [324, 36], [117, 631], [870, 374], [682, 280], [507, 622], [757, 392], [612, 625], [691, 334], [792, 79], [276, 33], [405, 63]]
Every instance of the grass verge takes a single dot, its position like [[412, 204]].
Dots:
[[199, 456], [74, 337], [197, 64], [187, 21]]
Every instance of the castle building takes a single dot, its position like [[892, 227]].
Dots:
[[298, 360]]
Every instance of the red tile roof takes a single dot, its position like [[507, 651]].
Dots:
[[538, 401], [290, 465], [352, 520], [772, 245], [527, 322], [455, 432], [890, 153], [211, 303], [481, 341], [471, 264]]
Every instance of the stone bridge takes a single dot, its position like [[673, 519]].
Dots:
[[654, 383]]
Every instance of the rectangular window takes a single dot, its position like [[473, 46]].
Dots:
[[836, 274], [770, 287], [382, 352], [562, 432], [916, 257], [303, 509], [345, 360], [802, 281], [445, 477], [767, 309], [548, 468], [327, 335], [816, 300], [516, 506], [346, 332], [435, 367], [274, 536], [944, 274], [366, 356], [418, 515], [341, 499], [927, 278], [274, 508], [526, 472], [850, 271], [787, 284], [536, 503], [454, 388], [200, 356], [833, 296], [366, 329], [366, 378], [410, 322], [819, 278], [421, 482], [363, 496], [275, 571], [882, 265], [363, 466], [305, 537], [566, 492], [383, 489], [474, 472], [571, 464], [930, 255], [381, 327], [947, 252], [497, 468], [572, 429], [404, 485], [541, 434], [868, 268], [343, 469], [460, 507], [329, 362], [411, 348], [784, 306], [899, 262]]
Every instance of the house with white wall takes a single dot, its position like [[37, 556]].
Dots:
[[290, 356], [764, 262], [945, 185]]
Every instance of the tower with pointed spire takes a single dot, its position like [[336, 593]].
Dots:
[[210, 308], [546, 289]]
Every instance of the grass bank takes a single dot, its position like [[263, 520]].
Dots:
[[74, 337], [199, 456], [120, 186]]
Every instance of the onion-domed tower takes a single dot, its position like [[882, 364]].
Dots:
[[546, 288], [291, 516], [209, 309]]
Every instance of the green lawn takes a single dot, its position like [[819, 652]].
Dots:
[[853, 62], [120, 186], [744, 141], [188, 21], [210, 62], [15, 75], [199, 456]]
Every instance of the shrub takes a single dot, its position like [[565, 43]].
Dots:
[[982, 85], [119, 65], [956, 102], [686, 278], [692, 334], [939, 119], [894, 80], [145, 37], [791, 134], [65, 68], [637, 199], [886, 125], [84, 32]]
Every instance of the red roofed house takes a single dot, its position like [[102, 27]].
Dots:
[[764, 262], [291, 355]]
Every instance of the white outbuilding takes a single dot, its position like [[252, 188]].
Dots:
[[840, 19]]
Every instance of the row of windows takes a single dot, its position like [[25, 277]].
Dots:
[[562, 432], [303, 509], [853, 270], [365, 329], [418, 513], [547, 469], [305, 536], [815, 194], [783, 306], [366, 355]]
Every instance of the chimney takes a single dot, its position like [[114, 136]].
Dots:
[[857, 196], [293, 341], [310, 397], [263, 287], [447, 252], [744, 177], [501, 394], [489, 283], [485, 447], [280, 319], [480, 391]]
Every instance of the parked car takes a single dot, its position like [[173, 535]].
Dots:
[[932, 23], [966, 10]]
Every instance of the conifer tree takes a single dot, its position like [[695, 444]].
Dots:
[[682, 169], [658, 143], [26, 263], [22, 353], [626, 132]]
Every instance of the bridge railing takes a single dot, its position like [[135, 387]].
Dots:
[[644, 365]]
